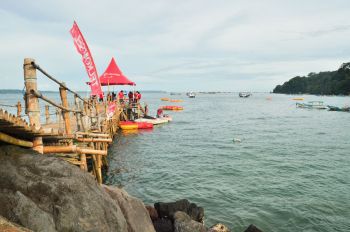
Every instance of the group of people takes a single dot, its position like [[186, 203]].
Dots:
[[134, 97]]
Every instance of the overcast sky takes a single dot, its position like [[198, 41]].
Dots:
[[200, 45]]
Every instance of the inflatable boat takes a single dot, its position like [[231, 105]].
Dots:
[[172, 108], [154, 121], [130, 125]]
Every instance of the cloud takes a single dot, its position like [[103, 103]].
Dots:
[[175, 46]]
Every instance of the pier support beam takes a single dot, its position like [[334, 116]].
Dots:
[[32, 102]]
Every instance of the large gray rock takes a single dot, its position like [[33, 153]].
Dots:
[[133, 209], [167, 210], [252, 228], [184, 223], [44, 193]]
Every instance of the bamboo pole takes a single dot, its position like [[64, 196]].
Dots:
[[93, 134], [83, 165], [63, 94], [12, 140], [47, 114], [32, 102], [72, 149], [108, 140], [19, 109]]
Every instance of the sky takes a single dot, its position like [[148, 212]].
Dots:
[[197, 45]]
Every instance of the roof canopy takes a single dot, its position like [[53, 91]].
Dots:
[[114, 76]]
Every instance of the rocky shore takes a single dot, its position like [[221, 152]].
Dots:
[[44, 193]]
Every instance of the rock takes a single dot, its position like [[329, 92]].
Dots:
[[195, 212], [252, 228], [7, 226], [44, 193], [163, 225], [133, 209], [168, 209], [184, 223], [219, 228], [152, 212]]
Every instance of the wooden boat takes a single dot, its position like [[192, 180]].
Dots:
[[244, 94], [164, 99], [312, 105]]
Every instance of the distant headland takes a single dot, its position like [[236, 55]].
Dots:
[[324, 83]]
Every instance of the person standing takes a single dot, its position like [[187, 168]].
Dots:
[[121, 96], [131, 97]]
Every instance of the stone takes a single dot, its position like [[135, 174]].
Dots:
[[152, 212], [45, 193], [184, 223], [219, 228], [7, 226], [252, 228], [167, 210], [163, 225], [133, 209]]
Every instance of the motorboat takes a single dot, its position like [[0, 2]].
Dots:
[[244, 94], [191, 94], [312, 105]]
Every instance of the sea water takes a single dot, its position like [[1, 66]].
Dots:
[[250, 160]]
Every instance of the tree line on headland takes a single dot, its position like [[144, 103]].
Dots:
[[324, 83]]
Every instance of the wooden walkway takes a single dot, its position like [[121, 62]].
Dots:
[[80, 133]]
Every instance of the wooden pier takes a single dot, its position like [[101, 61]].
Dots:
[[80, 133]]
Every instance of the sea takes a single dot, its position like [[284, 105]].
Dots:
[[257, 160]]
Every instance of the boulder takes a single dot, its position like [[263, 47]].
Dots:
[[168, 209], [45, 193], [163, 225], [133, 209], [219, 228], [7, 226], [252, 228], [152, 212], [184, 223]]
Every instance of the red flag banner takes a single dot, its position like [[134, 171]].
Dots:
[[83, 49]]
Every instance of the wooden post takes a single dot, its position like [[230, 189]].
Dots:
[[19, 109], [63, 94], [32, 102], [78, 115], [47, 114]]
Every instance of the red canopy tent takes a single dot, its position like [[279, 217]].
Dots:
[[114, 76]]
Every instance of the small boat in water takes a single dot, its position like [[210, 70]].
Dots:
[[155, 121], [191, 94], [245, 94], [336, 108], [312, 105]]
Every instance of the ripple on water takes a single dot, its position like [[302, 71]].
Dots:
[[289, 173]]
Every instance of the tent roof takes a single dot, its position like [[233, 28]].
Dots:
[[114, 76]]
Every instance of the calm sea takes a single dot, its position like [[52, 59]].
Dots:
[[290, 172]]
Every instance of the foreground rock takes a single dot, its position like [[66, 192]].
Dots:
[[219, 228], [184, 223], [7, 226], [169, 209], [44, 193], [133, 209], [252, 228]]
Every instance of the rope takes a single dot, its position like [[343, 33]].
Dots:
[[7, 105], [58, 82]]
